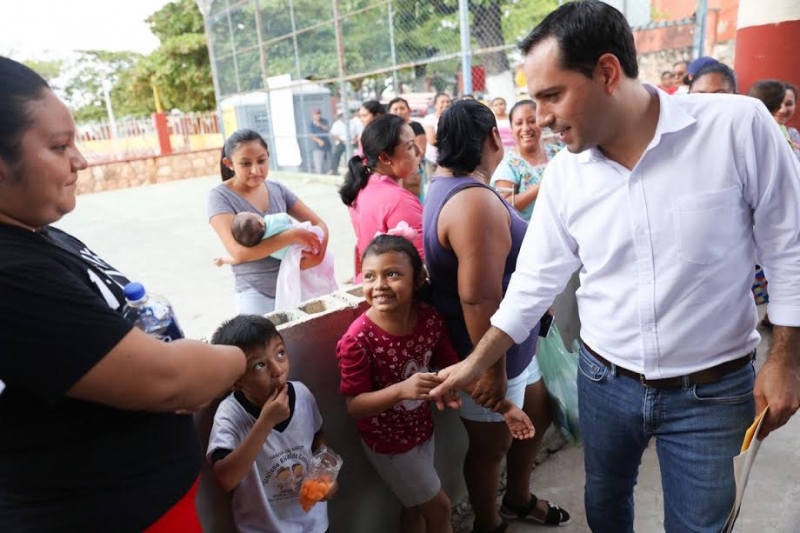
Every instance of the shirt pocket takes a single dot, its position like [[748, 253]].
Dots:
[[707, 225]]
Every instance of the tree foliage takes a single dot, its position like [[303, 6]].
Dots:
[[180, 67], [88, 73], [423, 30], [48, 69]]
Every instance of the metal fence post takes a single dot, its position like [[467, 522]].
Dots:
[[262, 55], [233, 46], [204, 11], [393, 50], [343, 85], [466, 49], [698, 48]]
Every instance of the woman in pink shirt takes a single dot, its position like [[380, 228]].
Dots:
[[372, 188]]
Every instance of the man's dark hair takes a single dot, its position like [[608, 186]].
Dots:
[[248, 332], [720, 68], [584, 31]]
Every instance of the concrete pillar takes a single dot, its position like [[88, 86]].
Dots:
[[162, 131], [767, 43]]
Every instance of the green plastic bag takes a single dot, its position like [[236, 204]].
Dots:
[[559, 369]]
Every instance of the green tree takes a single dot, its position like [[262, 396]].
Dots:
[[48, 69], [84, 87], [180, 67]]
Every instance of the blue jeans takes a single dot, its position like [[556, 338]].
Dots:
[[698, 430]]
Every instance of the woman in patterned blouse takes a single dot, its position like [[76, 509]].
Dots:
[[519, 175]]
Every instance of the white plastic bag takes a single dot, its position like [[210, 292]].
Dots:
[[295, 286]]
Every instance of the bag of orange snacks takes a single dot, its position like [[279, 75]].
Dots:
[[324, 469]]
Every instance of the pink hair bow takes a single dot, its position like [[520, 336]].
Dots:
[[401, 230]]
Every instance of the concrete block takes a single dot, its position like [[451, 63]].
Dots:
[[323, 305], [354, 296], [283, 319]]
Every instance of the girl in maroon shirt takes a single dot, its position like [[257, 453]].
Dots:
[[387, 361]]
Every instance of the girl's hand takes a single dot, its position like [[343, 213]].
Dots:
[[276, 408], [309, 260], [419, 386], [307, 239]]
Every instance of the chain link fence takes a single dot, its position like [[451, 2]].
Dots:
[[276, 61]]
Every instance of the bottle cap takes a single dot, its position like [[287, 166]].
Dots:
[[134, 291]]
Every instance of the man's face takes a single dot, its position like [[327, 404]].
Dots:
[[679, 70], [571, 104]]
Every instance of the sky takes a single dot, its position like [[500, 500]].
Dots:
[[45, 29]]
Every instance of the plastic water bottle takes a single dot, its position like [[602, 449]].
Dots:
[[151, 313]]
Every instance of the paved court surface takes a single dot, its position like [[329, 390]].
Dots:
[[159, 235]]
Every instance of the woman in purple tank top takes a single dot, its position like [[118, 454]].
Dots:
[[472, 238]]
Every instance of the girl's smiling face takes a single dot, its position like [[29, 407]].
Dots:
[[389, 282]]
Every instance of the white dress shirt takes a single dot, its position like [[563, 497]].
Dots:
[[666, 251], [339, 130]]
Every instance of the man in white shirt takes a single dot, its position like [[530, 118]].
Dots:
[[666, 266], [340, 137]]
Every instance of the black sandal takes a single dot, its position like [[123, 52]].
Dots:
[[556, 516], [499, 529]]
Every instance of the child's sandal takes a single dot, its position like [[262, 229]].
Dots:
[[556, 516]]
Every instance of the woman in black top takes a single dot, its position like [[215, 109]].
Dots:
[[90, 440]]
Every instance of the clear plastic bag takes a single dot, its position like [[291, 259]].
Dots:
[[559, 368], [322, 473]]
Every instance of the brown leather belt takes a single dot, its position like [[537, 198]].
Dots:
[[709, 375]]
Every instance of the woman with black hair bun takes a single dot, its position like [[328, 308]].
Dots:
[[472, 241], [372, 188]]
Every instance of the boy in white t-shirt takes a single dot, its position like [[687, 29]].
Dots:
[[265, 434]]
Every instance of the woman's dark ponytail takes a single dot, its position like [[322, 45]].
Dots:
[[381, 136], [356, 179], [224, 170]]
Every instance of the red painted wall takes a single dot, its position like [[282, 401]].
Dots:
[[769, 51]]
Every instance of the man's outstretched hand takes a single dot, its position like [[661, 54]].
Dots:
[[453, 378]]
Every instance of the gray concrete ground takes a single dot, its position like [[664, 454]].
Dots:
[[159, 235]]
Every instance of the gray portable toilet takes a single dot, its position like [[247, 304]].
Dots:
[[249, 110], [307, 97], [252, 110]]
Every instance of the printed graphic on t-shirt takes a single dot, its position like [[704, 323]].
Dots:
[[411, 368], [108, 280], [283, 479]]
